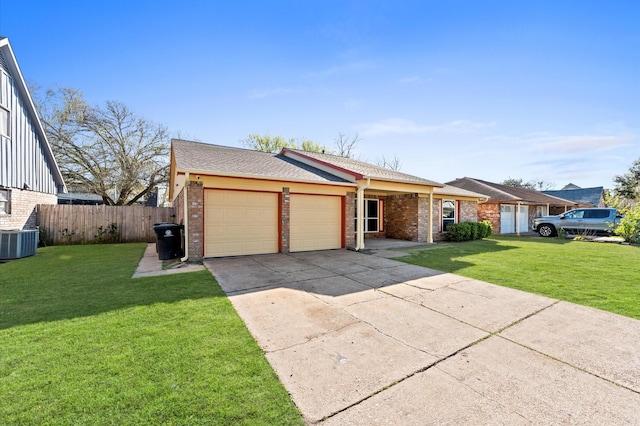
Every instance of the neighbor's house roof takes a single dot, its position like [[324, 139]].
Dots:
[[507, 194], [459, 192], [353, 169], [9, 62], [197, 157], [583, 196]]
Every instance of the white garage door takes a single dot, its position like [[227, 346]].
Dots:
[[240, 222], [315, 222]]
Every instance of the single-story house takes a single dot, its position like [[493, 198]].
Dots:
[[511, 209], [29, 174], [584, 197], [235, 201]]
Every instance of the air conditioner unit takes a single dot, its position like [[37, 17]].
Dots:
[[18, 244]]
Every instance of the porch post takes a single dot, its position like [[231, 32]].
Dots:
[[430, 219]]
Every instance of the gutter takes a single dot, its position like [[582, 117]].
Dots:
[[360, 218], [185, 223]]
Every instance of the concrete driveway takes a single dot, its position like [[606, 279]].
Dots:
[[359, 339]]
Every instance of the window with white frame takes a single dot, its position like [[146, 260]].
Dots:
[[5, 201], [541, 211], [371, 215], [4, 122], [448, 213], [5, 112]]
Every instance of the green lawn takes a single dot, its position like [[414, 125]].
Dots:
[[603, 276], [83, 343]]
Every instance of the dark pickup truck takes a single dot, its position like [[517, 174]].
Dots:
[[592, 220]]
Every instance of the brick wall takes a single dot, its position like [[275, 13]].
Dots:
[[178, 206], [285, 228], [401, 217], [195, 208], [23, 209], [349, 223], [437, 221], [490, 212], [468, 211]]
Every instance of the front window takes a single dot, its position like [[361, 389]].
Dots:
[[541, 211], [4, 201], [448, 213], [371, 215]]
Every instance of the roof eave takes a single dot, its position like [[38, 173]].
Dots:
[[261, 177]]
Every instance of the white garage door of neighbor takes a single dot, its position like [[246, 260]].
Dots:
[[239, 223], [315, 222]]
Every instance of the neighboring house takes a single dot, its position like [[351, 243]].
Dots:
[[29, 174], [236, 201], [509, 209], [584, 197]]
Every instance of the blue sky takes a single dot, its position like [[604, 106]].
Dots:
[[545, 90]]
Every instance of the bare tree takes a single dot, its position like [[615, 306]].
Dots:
[[346, 145], [391, 163], [105, 150]]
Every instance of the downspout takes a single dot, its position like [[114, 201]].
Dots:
[[185, 220], [360, 215]]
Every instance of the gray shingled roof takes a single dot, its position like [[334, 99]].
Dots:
[[455, 191], [365, 169], [587, 196], [216, 159], [504, 193]]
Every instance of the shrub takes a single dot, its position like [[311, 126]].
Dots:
[[486, 229], [468, 231]]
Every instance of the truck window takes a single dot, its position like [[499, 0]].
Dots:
[[596, 214]]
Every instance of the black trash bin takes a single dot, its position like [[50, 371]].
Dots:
[[168, 240]]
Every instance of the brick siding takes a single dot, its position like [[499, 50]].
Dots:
[[285, 220], [490, 212], [195, 209], [23, 213], [468, 211], [401, 219], [349, 223]]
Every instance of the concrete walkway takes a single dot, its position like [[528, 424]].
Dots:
[[360, 339], [151, 266]]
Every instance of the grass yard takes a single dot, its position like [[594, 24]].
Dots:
[[83, 343], [603, 276]]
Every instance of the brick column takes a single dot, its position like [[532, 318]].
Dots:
[[285, 229], [423, 219], [195, 208], [349, 216]]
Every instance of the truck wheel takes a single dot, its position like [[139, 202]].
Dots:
[[546, 230]]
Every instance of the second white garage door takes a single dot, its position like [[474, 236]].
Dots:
[[240, 222], [315, 222]]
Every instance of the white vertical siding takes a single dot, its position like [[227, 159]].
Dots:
[[22, 158]]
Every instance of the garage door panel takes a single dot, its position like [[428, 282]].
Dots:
[[315, 222], [240, 223]]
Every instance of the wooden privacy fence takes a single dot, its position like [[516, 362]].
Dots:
[[77, 224]]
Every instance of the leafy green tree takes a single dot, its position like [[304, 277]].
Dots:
[[268, 143], [629, 226], [107, 149], [628, 185], [534, 185]]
